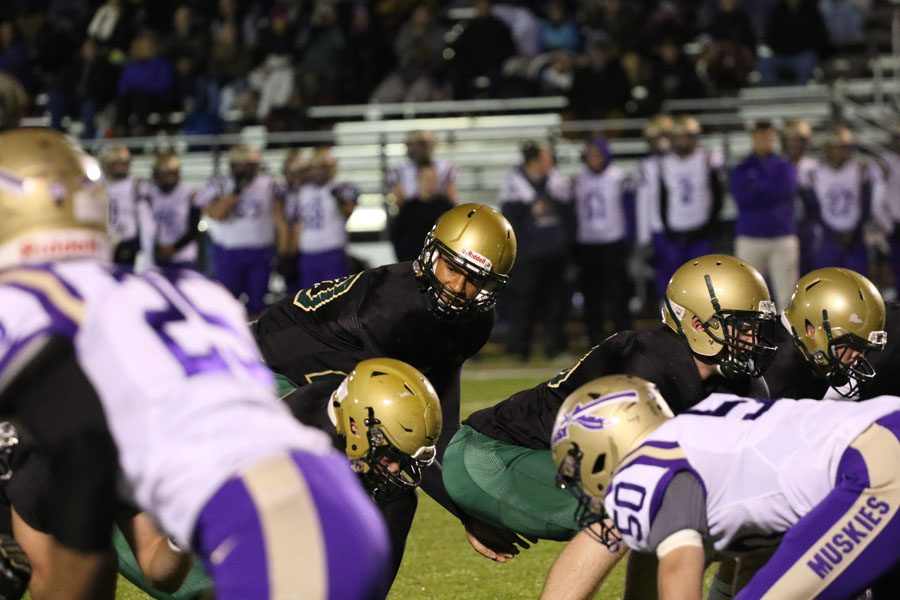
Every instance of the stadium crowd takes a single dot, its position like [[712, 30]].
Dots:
[[111, 64]]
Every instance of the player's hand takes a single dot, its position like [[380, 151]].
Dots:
[[496, 543], [15, 569]]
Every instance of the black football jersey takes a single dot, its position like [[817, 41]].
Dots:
[[657, 355], [321, 333], [789, 375]]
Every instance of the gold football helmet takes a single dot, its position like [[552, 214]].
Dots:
[[730, 301], [797, 128], [390, 417], [167, 171], [658, 126], [837, 316], [116, 161], [595, 428], [686, 125], [53, 203], [477, 240]]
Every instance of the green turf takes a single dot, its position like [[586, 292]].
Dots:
[[439, 563]]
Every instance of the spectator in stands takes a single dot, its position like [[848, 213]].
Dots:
[[764, 186], [599, 70], [84, 86], [317, 218], [731, 55], [558, 32], [601, 247], [403, 180], [795, 139], [479, 54], [242, 211], [187, 50], [535, 199], [418, 48], [366, 58], [690, 197], [845, 21], [417, 215], [112, 25], [524, 27], [145, 85], [14, 58], [321, 47], [796, 36], [676, 74], [842, 191], [615, 19], [228, 63]]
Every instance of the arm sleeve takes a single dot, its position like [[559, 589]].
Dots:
[[683, 507], [68, 430]]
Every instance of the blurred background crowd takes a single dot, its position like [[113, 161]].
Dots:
[[125, 67]]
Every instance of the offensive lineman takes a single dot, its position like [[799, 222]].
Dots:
[[233, 467], [711, 341], [818, 479], [433, 313]]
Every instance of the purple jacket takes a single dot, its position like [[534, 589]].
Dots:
[[153, 77], [764, 191]]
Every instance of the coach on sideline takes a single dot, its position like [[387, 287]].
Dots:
[[763, 187]]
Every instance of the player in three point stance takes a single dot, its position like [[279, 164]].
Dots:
[[498, 466], [201, 442], [818, 479], [834, 324], [433, 313]]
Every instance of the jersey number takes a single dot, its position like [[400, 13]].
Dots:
[[729, 405], [631, 497]]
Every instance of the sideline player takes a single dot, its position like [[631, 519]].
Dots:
[[191, 421], [174, 242], [818, 479]]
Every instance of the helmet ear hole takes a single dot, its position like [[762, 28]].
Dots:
[[599, 464]]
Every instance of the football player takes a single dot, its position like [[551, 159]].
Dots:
[[191, 421], [433, 313], [818, 479], [835, 320], [126, 214], [403, 180], [175, 215], [795, 139], [243, 212]]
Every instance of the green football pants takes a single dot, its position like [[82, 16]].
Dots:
[[508, 486], [196, 582]]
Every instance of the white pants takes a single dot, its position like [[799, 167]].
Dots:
[[778, 259]]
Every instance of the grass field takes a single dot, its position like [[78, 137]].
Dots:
[[439, 564]]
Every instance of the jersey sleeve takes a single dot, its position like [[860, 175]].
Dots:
[[635, 497], [214, 188], [683, 507]]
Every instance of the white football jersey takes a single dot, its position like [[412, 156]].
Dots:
[[250, 224], [183, 387], [517, 188], [762, 464], [171, 217], [316, 208], [599, 205], [123, 215], [839, 194], [891, 196], [690, 199], [407, 176], [647, 219]]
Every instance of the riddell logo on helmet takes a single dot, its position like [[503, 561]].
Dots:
[[48, 249], [479, 259]]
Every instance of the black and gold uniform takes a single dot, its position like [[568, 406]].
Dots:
[[320, 334], [789, 375], [886, 363], [498, 467]]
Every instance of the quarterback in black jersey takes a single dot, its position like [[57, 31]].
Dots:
[[498, 466], [432, 313]]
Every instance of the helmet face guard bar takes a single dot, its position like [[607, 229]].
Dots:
[[746, 348], [590, 514], [380, 480], [845, 376], [446, 303]]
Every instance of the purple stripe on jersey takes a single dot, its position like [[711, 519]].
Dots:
[[60, 324], [660, 444], [49, 268]]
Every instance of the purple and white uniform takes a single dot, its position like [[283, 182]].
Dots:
[[172, 221], [205, 447], [323, 234], [407, 176], [684, 205], [889, 208], [243, 241], [821, 478], [599, 206], [123, 212]]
